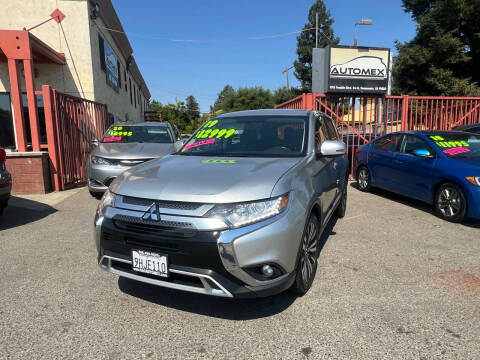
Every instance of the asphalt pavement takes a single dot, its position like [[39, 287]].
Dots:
[[394, 282]]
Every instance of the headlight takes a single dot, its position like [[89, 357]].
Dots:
[[474, 180], [97, 160], [108, 200], [241, 214]]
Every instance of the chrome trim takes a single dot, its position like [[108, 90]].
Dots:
[[206, 290], [200, 211], [199, 223], [227, 251]]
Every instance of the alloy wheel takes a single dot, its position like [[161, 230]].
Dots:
[[449, 202], [363, 178], [309, 253]]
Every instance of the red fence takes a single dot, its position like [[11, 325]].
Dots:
[[361, 119], [71, 125]]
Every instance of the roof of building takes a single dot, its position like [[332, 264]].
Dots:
[[110, 19]]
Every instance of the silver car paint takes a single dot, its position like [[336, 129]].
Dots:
[[310, 180], [128, 152]]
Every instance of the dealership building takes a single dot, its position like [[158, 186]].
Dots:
[[66, 66]]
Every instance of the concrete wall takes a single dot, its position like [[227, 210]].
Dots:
[[17, 14], [118, 101], [82, 75]]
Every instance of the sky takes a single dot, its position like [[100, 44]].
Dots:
[[222, 55]]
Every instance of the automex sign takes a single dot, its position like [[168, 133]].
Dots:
[[351, 70]]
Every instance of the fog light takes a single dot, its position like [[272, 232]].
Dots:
[[267, 270]]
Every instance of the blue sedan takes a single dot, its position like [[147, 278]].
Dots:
[[438, 167]]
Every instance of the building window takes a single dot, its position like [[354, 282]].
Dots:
[[102, 52], [134, 96], [125, 77], [130, 83], [41, 118], [7, 135]]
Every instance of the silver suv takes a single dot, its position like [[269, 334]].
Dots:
[[237, 212]]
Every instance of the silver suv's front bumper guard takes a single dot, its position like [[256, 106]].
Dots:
[[209, 285]]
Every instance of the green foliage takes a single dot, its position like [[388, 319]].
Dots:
[[225, 98], [443, 57], [283, 94], [245, 98], [193, 109], [306, 42], [179, 114]]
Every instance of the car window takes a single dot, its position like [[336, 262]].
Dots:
[[252, 135], [388, 143], [411, 143], [330, 130], [320, 135], [137, 134]]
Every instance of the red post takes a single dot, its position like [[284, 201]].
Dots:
[[51, 138], [404, 112], [32, 104], [16, 95]]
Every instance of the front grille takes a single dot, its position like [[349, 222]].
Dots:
[[161, 204], [151, 244], [128, 162], [154, 225]]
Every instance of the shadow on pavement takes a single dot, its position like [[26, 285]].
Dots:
[[21, 211], [231, 309], [417, 204]]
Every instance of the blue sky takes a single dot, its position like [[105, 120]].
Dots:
[[177, 69]]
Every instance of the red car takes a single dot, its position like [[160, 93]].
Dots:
[[5, 182]]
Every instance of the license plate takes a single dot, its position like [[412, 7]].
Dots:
[[149, 263]]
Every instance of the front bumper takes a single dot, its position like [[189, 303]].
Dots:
[[101, 176], [213, 262]]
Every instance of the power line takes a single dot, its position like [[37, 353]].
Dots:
[[251, 38]]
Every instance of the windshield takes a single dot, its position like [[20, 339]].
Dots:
[[137, 134], [458, 145], [255, 136]]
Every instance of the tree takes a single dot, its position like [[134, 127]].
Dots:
[[193, 109], [252, 98], [283, 94], [443, 57], [306, 42], [224, 98]]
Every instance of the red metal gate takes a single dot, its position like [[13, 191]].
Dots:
[[71, 123], [361, 119]]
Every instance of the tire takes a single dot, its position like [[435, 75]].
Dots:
[[342, 205], [364, 180], [450, 202], [308, 257]]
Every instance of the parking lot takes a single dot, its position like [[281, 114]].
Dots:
[[394, 281]]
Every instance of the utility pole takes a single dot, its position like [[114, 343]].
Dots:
[[286, 72], [316, 30]]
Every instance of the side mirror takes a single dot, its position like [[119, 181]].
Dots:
[[332, 148], [422, 153], [95, 142]]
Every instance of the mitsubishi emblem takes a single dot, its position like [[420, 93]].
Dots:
[[152, 213]]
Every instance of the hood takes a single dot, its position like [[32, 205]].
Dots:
[[204, 179], [133, 150]]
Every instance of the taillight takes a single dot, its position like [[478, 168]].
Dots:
[[3, 155]]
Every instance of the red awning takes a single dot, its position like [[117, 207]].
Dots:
[[15, 43]]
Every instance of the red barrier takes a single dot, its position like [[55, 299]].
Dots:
[[71, 123], [362, 119]]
